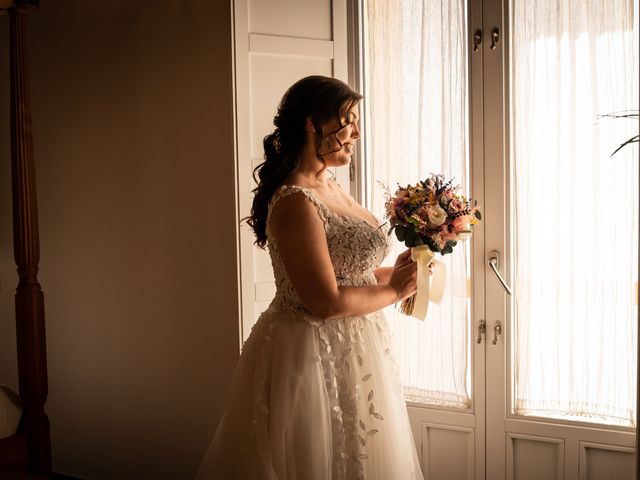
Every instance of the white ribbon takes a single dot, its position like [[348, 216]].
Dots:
[[430, 288]]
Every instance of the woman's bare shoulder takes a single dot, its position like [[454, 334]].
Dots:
[[296, 206]]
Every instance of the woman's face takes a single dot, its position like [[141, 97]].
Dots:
[[338, 138]]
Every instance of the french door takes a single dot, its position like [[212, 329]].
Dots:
[[560, 366], [550, 334]]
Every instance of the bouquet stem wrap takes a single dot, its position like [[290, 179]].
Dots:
[[429, 289]]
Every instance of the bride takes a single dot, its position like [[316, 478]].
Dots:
[[316, 394]]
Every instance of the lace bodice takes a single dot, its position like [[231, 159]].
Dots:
[[356, 249]]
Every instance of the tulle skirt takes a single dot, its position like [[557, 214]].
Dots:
[[314, 400]]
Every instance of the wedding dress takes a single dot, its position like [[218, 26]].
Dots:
[[313, 399]]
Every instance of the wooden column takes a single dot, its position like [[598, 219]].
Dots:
[[29, 300]]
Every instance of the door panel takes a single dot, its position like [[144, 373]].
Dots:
[[439, 441], [606, 461], [271, 72], [531, 458], [276, 43], [299, 19]]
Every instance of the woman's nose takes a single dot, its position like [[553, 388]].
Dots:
[[355, 131]]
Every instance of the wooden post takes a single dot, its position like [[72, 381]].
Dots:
[[29, 300]]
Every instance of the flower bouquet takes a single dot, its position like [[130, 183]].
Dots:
[[430, 217]]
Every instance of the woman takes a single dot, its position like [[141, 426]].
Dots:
[[316, 394]]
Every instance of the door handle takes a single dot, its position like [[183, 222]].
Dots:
[[495, 38], [482, 329], [477, 40], [497, 330], [494, 263]]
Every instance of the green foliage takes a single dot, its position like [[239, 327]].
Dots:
[[408, 236], [448, 248], [631, 114]]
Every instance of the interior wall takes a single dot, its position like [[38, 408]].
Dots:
[[133, 134]]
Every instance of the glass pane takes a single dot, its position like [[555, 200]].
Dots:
[[575, 211], [416, 121]]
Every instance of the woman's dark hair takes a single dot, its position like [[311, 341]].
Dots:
[[318, 98]]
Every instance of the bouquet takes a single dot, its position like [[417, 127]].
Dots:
[[430, 217]]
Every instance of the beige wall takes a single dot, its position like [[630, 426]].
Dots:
[[132, 110]]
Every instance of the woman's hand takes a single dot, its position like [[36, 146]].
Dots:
[[403, 257], [404, 279]]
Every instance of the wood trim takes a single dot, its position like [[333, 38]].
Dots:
[[243, 170], [29, 299], [355, 75]]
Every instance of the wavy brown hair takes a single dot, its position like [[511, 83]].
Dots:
[[316, 97]]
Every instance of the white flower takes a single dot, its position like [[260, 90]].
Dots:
[[436, 215]]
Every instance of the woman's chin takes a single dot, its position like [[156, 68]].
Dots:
[[339, 163], [343, 159]]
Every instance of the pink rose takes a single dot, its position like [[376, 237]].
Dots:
[[455, 205], [447, 234], [462, 223]]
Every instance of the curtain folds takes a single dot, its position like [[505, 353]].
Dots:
[[417, 118], [576, 208]]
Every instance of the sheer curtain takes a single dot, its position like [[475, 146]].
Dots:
[[416, 120], [576, 208]]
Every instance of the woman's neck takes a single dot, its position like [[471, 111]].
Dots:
[[308, 169]]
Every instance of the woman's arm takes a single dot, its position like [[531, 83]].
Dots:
[[301, 239], [383, 274]]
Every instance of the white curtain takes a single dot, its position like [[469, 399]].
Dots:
[[416, 120], [576, 208]]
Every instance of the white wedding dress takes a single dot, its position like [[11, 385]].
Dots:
[[313, 399]]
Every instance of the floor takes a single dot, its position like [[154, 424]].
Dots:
[[23, 476]]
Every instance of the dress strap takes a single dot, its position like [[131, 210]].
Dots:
[[285, 190]]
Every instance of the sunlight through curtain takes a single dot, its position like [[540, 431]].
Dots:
[[417, 123], [576, 208]]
